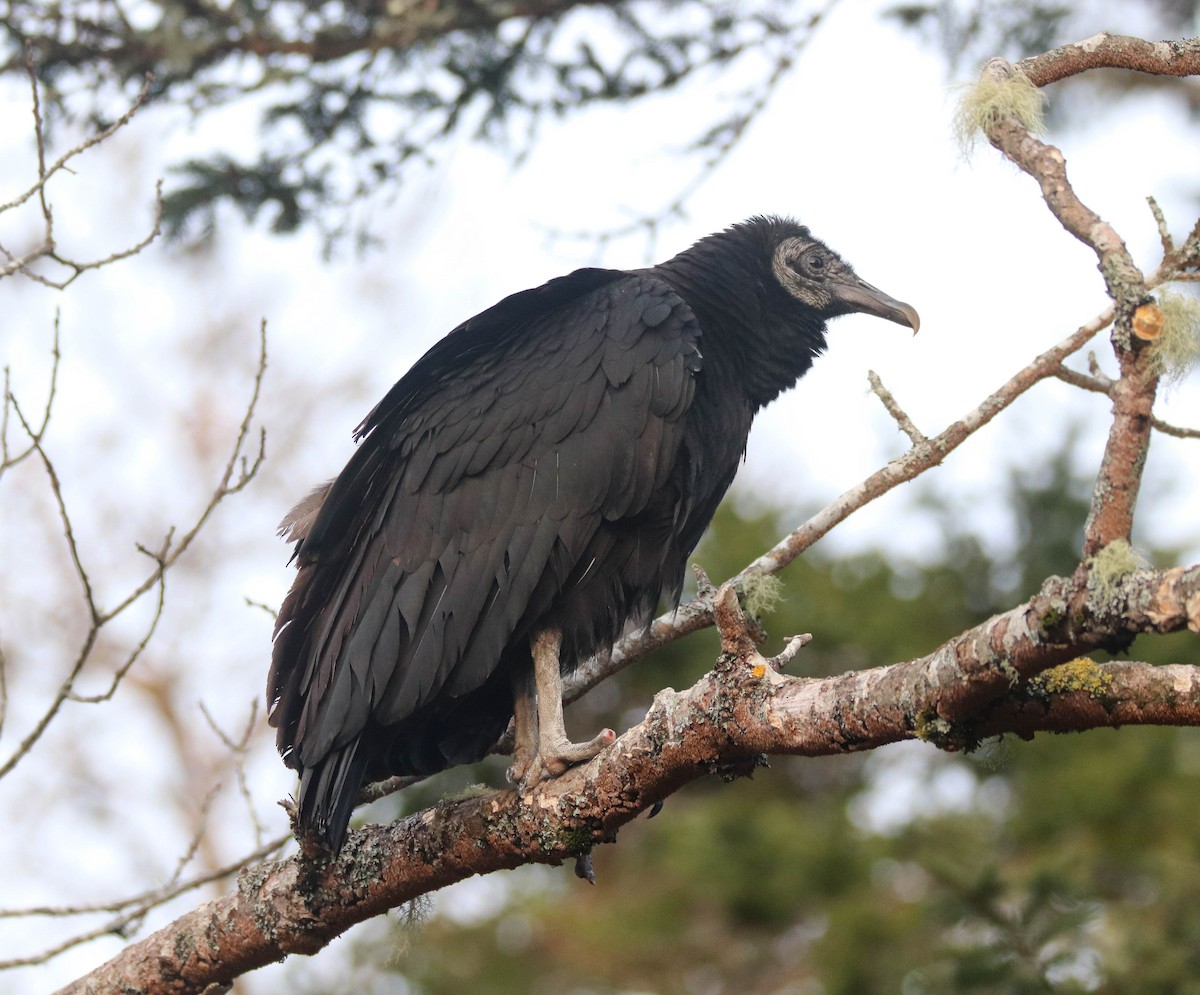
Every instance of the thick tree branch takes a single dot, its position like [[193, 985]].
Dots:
[[1108, 51], [1114, 496], [741, 708]]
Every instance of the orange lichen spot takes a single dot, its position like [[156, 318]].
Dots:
[[1148, 322], [759, 670]]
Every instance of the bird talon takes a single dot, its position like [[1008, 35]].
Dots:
[[558, 759]]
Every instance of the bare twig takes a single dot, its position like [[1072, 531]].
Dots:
[[159, 604], [129, 910], [9, 458], [1100, 384], [1160, 222], [239, 470], [893, 408], [1177, 431], [238, 748], [47, 248], [1096, 382]]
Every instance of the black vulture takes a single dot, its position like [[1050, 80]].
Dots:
[[534, 484]]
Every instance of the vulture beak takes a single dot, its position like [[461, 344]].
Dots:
[[855, 294]]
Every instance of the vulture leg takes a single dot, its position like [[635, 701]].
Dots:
[[525, 726], [554, 752]]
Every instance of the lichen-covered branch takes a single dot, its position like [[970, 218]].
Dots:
[[1119, 479], [743, 707]]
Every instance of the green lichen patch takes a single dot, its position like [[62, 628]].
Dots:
[[1051, 617], [1176, 351], [577, 840], [932, 728], [984, 104], [1081, 674], [761, 595], [1109, 567]]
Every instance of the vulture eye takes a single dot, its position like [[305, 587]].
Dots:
[[814, 263]]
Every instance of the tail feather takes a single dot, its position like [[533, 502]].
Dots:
[[328, 791]]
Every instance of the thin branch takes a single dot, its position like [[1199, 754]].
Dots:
[[132, 657], [238, 748], [153, 896], [7, 457], [63, 514], [1101, 384], [1097, 383], [239, 470], [1177, 431], [1160, 222], [77, 268], [48, 249], [131, 910], [925, 456], [45, 174], [3, 688], [893, 408]]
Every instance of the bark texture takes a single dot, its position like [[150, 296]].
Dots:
[[976, 685]]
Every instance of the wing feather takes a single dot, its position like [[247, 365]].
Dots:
[[476, 499]]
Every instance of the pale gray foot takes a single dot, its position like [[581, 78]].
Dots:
[[553, 752]]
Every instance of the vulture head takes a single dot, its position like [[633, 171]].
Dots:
[[819, 278], [763, 291]]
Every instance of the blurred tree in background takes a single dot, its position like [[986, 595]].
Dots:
[[349, 95]]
